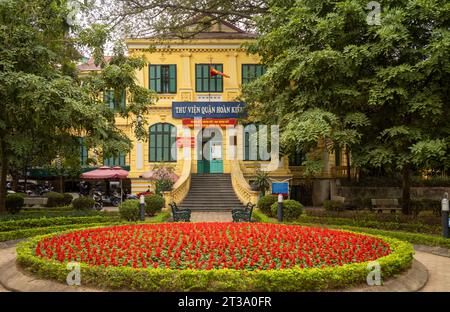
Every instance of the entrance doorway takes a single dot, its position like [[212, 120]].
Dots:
[[209, 151]]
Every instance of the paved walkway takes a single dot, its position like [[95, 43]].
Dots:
[[438, 271], [211, 216]]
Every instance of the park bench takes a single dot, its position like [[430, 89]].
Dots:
[[35, 201], [180, 214], [381, 204], [243, 215]]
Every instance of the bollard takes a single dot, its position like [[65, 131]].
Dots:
[[280, 208], [142, 208], [445, 221]]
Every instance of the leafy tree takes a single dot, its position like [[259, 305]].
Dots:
[[380, 90], [44, 108], [162, 17]]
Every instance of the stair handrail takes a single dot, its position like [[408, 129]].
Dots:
[[241, 186], [181, 186]]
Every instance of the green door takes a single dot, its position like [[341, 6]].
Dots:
[[216, 163]]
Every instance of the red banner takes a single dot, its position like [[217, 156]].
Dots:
[[188, 142], [205, 122]]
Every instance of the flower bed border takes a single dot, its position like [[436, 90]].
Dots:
[[309, 279]]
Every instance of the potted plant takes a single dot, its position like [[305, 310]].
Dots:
[[262, 181]]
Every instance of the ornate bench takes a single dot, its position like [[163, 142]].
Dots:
[[178, 214], [381, 204], [243, 215]]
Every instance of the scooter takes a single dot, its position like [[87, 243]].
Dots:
[[97, 196]]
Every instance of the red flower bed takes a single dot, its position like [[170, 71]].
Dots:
[[212, 246]]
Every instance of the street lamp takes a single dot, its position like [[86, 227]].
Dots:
[[142, 208], [445, 211], [280, 208]]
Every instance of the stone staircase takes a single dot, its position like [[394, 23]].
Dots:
[[211, 192]]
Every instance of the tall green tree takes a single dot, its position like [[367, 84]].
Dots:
[[381, 89], [41, 95]]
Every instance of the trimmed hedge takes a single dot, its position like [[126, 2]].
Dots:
[[83, 203], [153, 204], [14, 202], [68, 198], [50, 213], [30, 232], [416, 227], [333, 205], [129, 210], [265, 203], [44, 222], [309, 279], [54, 199], [292, 209]]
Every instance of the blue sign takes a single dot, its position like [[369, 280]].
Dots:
[[280, 188], [208, 109]]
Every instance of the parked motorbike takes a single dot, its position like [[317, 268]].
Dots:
[[97, 196]]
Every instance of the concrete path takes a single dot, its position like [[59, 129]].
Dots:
[[438, 271]]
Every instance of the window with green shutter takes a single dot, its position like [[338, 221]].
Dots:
[[119, 160], [110, 100], [251, 72], [163, 78], [203, 80], [162, 143]]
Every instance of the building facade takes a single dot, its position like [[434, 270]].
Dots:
[[187, 77]]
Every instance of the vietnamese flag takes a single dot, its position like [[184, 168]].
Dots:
[[214, 72]]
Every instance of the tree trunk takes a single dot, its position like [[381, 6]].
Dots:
[[3, 175], [347, 156], [406, 190]]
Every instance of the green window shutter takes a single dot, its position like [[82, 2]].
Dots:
[[158, 78], [152, 77], [172, 78], [244, 74]]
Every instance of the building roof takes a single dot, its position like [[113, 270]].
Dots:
[[89, 65], [218, 29]]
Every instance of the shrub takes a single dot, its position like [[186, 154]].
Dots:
[[333, 205], [68, 198], [129, 210], [153, 204], [54, 199], [83, 203], [14, 202], [292, 209], [265, 203]]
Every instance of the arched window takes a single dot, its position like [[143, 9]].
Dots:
[[162, 147]]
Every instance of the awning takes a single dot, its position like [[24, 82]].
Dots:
[[105, 172]]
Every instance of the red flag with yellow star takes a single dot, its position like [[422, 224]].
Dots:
[[214, 72]]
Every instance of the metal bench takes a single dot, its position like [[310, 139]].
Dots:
[[381, 204], [35, 201], [243, 215], [178, 214]]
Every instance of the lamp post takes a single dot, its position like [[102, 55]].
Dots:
[[445, 211], [142, 208], [280, 208]]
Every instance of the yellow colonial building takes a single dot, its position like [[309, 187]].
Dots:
[[200, 79]]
